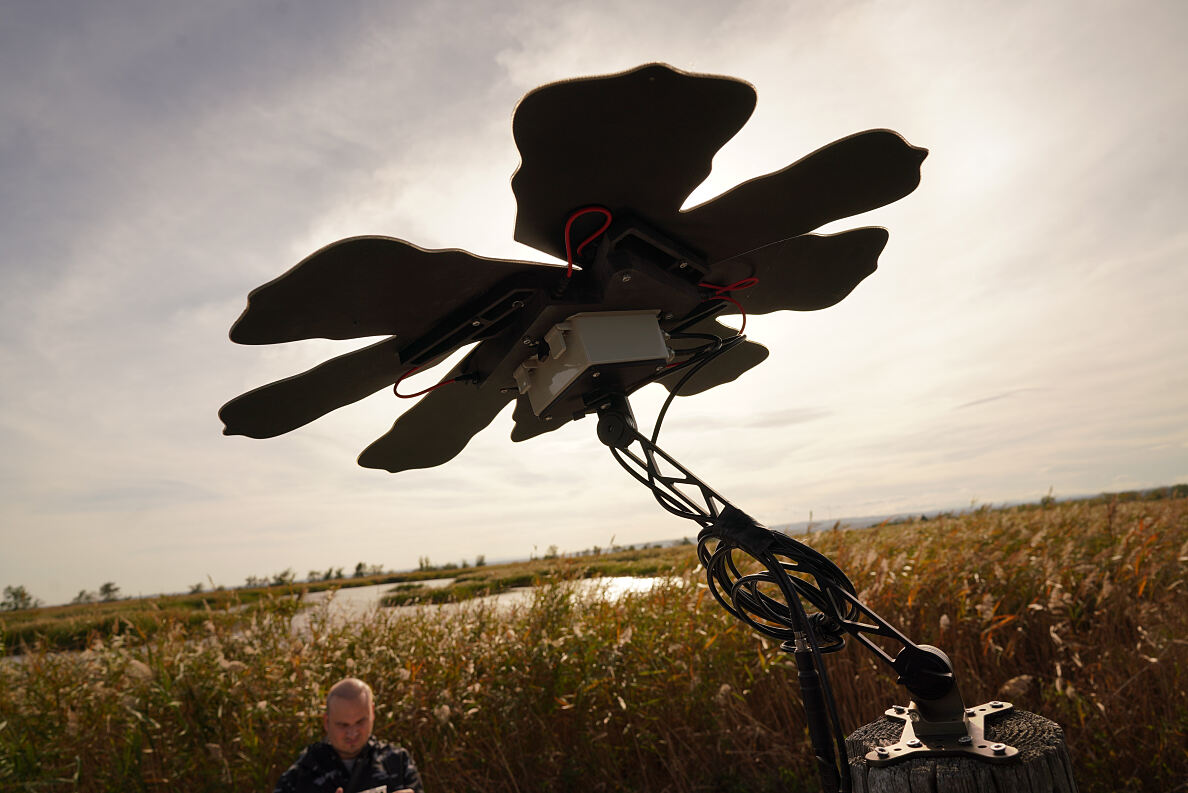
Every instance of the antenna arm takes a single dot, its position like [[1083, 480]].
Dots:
[[923, 670]]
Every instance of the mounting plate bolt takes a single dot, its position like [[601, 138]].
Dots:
[[996, 704], [965, 740], [899, 709], [882, 751], [999, 748], [518, 304], [476, 323], [528, 341], [970, 712], [914, 743], [625, 277]]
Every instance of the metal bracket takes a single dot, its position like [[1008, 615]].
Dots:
[[972, 743]]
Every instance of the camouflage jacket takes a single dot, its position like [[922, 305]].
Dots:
[[380, 768]]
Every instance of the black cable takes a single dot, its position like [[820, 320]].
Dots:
[[666, 500], [718, 347]]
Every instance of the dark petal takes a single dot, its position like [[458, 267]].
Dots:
[[643, 140], [371, 286], [804, 273], [724, 368], [438, 427], [285, 405], [847, 177], [528, 425]]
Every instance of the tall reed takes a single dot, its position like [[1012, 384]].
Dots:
[[657, 692]]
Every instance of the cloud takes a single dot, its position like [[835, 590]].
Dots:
[[995, 398], [1024, 328]]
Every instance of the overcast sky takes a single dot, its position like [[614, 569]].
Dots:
[[1025, 331]]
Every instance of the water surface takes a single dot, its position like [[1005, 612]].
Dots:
[[355, 602]]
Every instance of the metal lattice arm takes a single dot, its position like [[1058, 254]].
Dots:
[[923, 670]]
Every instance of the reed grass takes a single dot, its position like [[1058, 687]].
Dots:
[[652, 692]]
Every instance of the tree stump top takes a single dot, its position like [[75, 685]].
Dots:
[[1042, 765]]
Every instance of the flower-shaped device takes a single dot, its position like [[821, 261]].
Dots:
[[606, 165]]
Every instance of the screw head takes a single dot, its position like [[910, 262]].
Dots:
[[899, 708], [528, 341], [999, 748], [683, 266], [996, 704], [517, 304], [970, 712], [625, 277], [596, 374], [914, 743], [965, 740], [507, 390], [882, 751]]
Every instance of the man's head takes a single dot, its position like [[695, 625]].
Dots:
[[350, 715]]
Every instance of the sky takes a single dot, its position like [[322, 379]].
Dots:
[[1025, 332]]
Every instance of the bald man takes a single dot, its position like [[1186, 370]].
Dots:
[[350, 759]]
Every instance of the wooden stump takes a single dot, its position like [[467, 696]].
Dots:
[[1042, 765]]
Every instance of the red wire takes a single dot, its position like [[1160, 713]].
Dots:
[[722, 293], [396, 385], [569, 252]]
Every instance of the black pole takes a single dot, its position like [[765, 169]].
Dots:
[[815, 713]]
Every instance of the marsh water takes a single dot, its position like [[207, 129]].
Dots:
[[355, 602]]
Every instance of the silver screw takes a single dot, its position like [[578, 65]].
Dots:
[[528, 340], [996, 704], [476, 323], [965, 740], [999, 748], [914, 743], [626, 277], [882, 751], [970, 712], [683, 265], [518, 304], [596, 374], [668, 316]]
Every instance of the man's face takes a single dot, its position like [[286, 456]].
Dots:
[[348, 725]]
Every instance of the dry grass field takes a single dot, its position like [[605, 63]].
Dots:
[[651, 692]]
